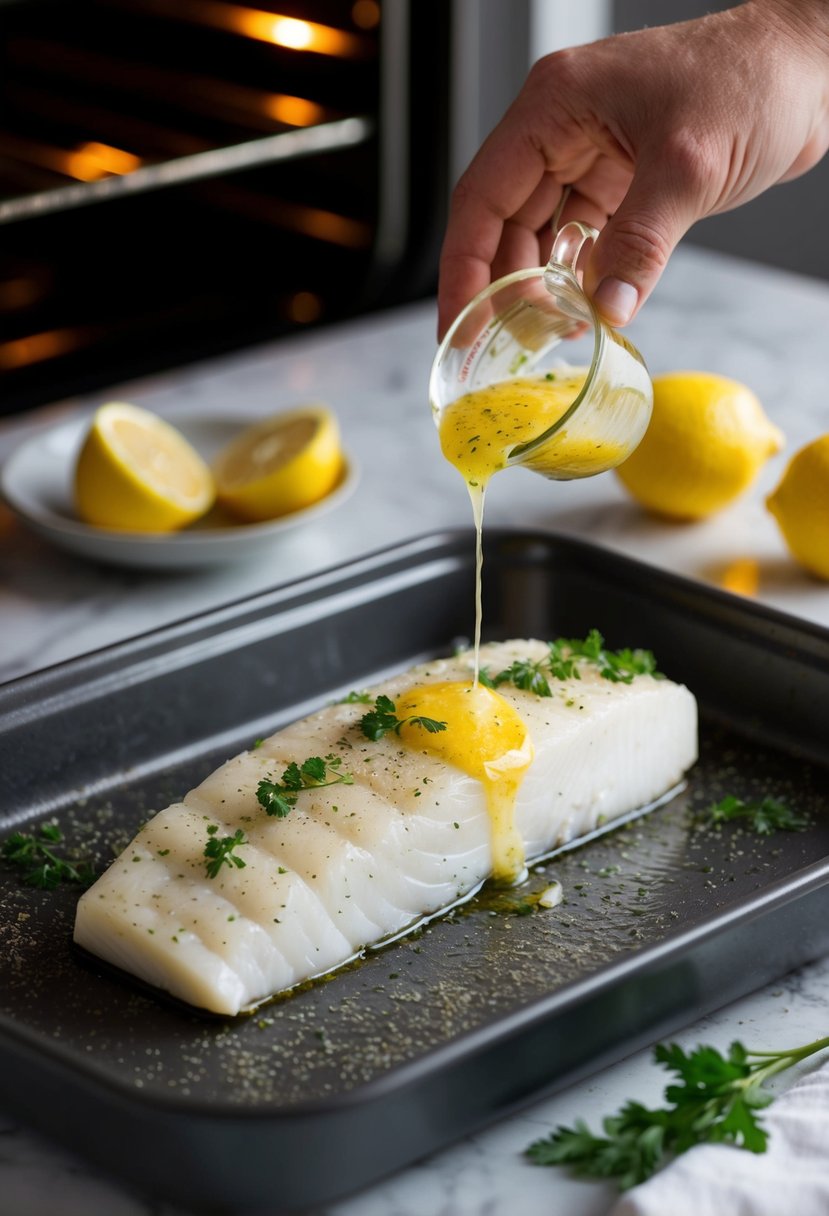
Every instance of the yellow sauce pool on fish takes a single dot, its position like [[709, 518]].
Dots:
[[486, 738]]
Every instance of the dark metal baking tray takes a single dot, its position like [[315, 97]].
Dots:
[[430, 1038]]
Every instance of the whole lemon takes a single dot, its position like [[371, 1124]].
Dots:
[[707, 440], [800, 504]]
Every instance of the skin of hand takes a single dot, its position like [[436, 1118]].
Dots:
[[653, 130]]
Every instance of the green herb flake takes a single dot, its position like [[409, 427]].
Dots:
[[41, 857], [763, 816]]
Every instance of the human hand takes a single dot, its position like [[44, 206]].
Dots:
[[654, 130]]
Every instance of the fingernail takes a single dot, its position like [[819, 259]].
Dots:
[[616, 300]]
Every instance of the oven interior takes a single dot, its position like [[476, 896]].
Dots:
[[182, 177]]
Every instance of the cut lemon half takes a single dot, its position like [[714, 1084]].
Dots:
[[136, 473], [280, 465]]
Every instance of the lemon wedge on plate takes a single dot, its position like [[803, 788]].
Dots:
[[280, 465], [137, 473]]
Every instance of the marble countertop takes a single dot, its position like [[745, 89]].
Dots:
[[761, 326]]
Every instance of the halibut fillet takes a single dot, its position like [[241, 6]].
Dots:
[[353, 864]]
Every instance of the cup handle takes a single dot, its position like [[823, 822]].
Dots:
[[568, 244]]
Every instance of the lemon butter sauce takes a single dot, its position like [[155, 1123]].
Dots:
[[485, 736], [481, 429]]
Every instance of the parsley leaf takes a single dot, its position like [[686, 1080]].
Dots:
[[40, 856], [355, 698], [563, 660], [525, 674], [619, 666], [383, 718], [279, 797], [219, 850], [714, 1100], [763, 816]]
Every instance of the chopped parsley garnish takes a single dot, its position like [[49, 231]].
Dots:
[[563, 660], [41, 858], [763, 816], [715, 1100], [523, 673], [219, 850], [383, 719], [279, 797], [619, 666], [355, 698]]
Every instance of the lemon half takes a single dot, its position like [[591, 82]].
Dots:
[[707, 440], [137, 473], [280, 465], [800, 504]]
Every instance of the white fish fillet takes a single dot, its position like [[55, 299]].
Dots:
[[352, 864]]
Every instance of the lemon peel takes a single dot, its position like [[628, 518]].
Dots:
[[137, 473], [281, 464], [800, 504], [708, 439]]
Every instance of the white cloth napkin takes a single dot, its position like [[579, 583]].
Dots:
[[790, 1179]]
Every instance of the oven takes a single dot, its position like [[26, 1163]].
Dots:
[[183, 177]]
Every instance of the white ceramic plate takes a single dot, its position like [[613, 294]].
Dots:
[[36, 482]]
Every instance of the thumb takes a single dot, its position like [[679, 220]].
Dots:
[[634, 246]]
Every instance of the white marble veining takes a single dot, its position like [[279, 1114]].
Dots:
[[762, 326]]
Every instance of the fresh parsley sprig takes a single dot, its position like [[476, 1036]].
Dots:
[[279, 797], [42, 859], [763, 816], [219, 850], [383, 719], [716, 1100], [619, 666], [523, 673], [563, 660]]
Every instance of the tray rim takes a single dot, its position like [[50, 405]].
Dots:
[[336, 578], [29, 1051]]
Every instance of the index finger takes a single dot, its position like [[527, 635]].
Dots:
[[501, 178]]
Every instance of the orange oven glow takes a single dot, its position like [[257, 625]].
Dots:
[[92, 161], [293, 111], [35, 348], [293, 33]]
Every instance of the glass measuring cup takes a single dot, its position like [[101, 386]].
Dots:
[[538, 323]]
